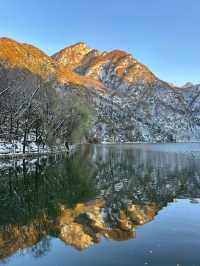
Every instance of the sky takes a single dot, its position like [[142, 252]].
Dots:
[[162, 34]]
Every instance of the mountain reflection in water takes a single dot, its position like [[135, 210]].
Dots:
[[102, 191]]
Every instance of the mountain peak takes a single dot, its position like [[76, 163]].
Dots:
[[187, 85], [72, 56], [79, 45]]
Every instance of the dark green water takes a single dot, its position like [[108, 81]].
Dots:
[[105, 205]]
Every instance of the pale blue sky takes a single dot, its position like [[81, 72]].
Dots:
[[163, 34]]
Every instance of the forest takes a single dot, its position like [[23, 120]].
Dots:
[[39, 115]]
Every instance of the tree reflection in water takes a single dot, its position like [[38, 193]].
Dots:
[[100, 192]]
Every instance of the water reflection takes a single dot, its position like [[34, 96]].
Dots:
[[100, 192]]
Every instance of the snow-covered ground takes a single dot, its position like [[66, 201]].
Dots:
[[13, 157], [7, 148], [16, 149]]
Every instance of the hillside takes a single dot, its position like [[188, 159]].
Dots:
[[25, 57], [124, 99], [113, 68], [138, 106]]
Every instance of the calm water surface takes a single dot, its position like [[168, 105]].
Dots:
[[106, 205]]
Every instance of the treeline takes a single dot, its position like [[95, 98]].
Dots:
[[41, 112]]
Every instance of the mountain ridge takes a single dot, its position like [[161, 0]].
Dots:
[[91, 62], [26, 56]]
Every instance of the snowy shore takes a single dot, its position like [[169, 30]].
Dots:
[[15, 150]]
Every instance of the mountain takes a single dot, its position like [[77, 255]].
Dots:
[[73, 55], [27, 58], [187, 85], [130, 102], [115, 69], [138, 106]]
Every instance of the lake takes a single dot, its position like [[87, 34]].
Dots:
[[105, 205]]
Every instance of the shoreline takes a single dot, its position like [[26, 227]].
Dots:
[[27, 155], [10, 156], [4, 156], [161, 143]]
